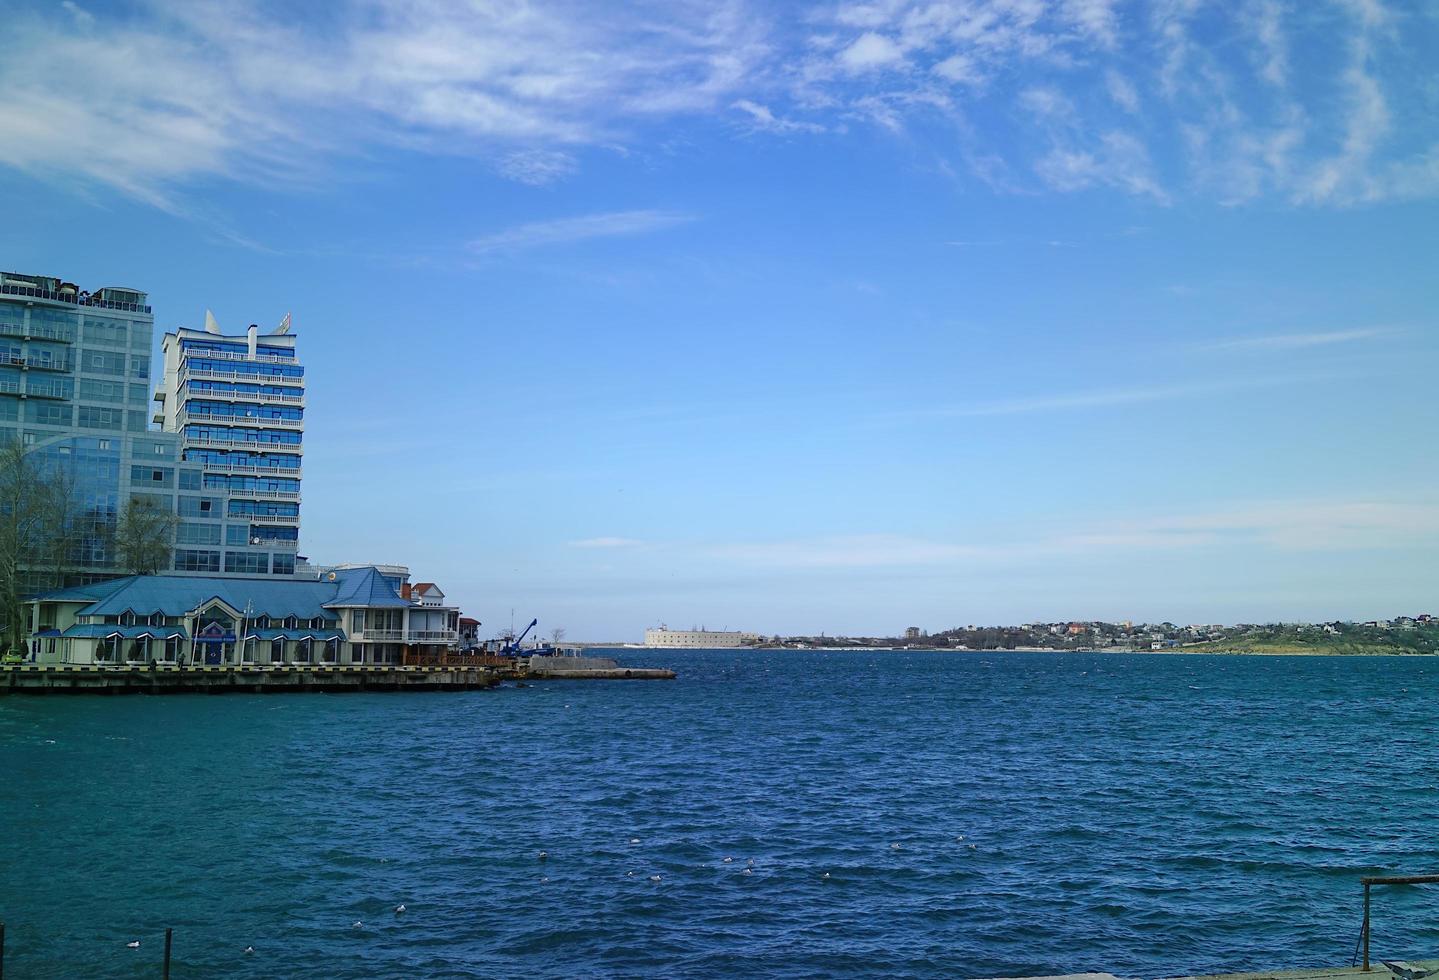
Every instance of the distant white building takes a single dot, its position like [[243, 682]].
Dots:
[[698, 639]]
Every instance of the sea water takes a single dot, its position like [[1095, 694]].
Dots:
[[882, 813]]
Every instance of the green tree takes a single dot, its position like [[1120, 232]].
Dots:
[[144, 537]]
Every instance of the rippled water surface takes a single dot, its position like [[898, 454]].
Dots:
[[975, 815]]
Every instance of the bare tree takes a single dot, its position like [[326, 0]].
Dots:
[[144, 537], [556, 635], [23, 545]]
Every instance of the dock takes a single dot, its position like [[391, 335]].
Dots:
[[259, 679]]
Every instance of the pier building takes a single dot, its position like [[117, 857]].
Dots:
[[698, 639], [352, 616], [237, 404]]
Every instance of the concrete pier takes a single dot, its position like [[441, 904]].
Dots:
[[85, 679]]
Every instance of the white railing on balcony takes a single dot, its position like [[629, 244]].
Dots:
[[404, 636], [258, 397], [226, 355], [268, 518], [220, 374], [9, 387], [247, 468], [251, 444], [253, 494], [246, 421]]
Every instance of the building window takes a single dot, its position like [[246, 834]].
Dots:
[[277, 651], [291, 623], [262, 622], [196, 561], [157, 619], [247, 563], [127, 618]]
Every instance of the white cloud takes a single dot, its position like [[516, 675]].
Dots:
[[537, 167], [1142, 100], [871, 51], [1296, 341], [1285, 525], [582, 228], [606, 542], [762, 118]]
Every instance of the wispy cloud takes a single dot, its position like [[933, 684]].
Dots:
[[606, 542], [1096, 398], [1068, 96], [565, 230], [1287, 525], [1298, 341]]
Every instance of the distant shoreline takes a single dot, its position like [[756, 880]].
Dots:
[[1368, 651]]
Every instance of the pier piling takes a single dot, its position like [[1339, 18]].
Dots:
[[168, 933]]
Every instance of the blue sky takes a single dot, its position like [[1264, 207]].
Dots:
[[799, 317]]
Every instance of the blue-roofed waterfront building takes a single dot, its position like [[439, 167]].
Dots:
[[237, 403], [348, 616], [74, 390]]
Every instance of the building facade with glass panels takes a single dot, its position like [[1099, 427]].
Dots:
[[74, 390], [237, 405]]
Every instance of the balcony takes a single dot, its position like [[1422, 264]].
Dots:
[[289, 520], [257, 397], [221, 374], [445, 637], [49, 391], [258, 494], [38, 331], [247, 468], [252, 445], [11, 358], [225, 355], [249, 421]]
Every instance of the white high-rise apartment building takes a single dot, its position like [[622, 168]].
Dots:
[[237, 403]]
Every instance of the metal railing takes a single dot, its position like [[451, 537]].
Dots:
[[1386, 880], [74, 299], [35, 331]]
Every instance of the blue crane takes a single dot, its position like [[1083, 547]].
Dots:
[[513, 647]]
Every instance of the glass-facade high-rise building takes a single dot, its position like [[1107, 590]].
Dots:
[[237, 404], [75, 390]]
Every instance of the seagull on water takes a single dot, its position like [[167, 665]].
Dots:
[[825, 875], [749, 871], [750, 862], [249, 949], [728, 860], [629, 874], [358, 924], [634, 840], [654, 877], [134, 945], [400, 909], [894, 847], [543, 879], [544, 855]]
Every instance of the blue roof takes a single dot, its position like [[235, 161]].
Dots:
[[128, 632], [295, 634], [178, 595], [366, 587]]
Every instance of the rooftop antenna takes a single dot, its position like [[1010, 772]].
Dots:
[[284, 326], [210, 325]]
